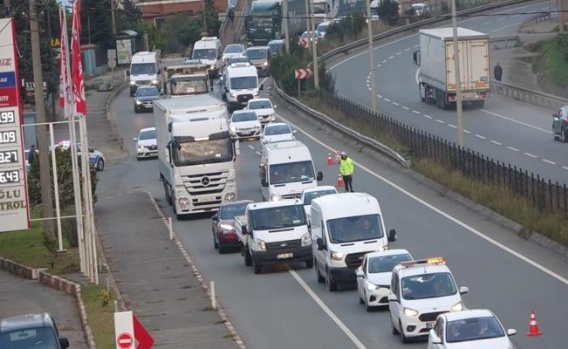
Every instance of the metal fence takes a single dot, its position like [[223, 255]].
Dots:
[[541, 193]]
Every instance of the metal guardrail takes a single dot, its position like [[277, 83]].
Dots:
[[528, 96], [534, 19]]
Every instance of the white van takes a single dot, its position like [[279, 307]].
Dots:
[[144, 70], [240, 84], [340, 240], [209, 50], [286, 169]]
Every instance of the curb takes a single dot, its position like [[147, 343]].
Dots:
[[57, 283], [232, 331]]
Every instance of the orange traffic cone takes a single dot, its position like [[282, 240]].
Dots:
[[533, 327], [340, 183], [330, 160]]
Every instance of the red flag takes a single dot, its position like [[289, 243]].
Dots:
[[77, 73], [65, 92]]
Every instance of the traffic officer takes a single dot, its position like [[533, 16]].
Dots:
[[346, 169]]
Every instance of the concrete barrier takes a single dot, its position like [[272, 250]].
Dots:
[[528, 96]]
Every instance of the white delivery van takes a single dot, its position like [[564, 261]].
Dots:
[[209, 50], [144, 70], [286, 169], [240, 84], [344, 227]]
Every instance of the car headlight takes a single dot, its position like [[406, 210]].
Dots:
[[140, 147], [371, 286], [258, 125], [260, 245], [458, 307], [255, 93], [230, 197], [306, 240], [410, 312], [154, 82], [274, 197], [138, 102], [265, 64], [183, 201], [233, 95], [232, 127], [212, 66], [132, 82], [226, 228], [336, 255]]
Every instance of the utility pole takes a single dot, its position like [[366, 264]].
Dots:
[[204, 17], [113, 19], [41, 131], [314, 46], [51, 62], [459, 109], [7, 6], [372, 68], [286, 32]]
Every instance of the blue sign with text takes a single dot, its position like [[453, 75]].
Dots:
[[8, 79]]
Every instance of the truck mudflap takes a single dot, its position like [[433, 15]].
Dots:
[[300, 254]]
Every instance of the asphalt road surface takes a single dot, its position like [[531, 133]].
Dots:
[[506, 130], [286, 307]]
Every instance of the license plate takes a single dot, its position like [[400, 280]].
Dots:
[[285, 255], [429, 325], [207, 199]]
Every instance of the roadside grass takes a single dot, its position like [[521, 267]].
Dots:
[[100, 311], [506, 203]]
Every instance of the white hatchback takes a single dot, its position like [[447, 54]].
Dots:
[[146, 144], [277, 132], [263, 108], [244, 124]]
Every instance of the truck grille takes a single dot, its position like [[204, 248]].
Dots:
[[244, 98], [354, 260], [427, 317], [283, 245], [210, 183], [292, 196], [143, 82]]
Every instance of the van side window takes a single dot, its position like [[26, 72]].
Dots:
[[394, 284]]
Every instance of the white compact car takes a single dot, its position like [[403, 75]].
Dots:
[[311, 193], [146, 144], [374, 276], [263, 108], [277, 132], [234, 50], [471, 329], [420, 291], [244, 124]]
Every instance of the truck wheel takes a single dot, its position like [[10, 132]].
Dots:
[[331, 286], [257, 268], [309, 263], [167, 193], [248, 258], [319, 277]]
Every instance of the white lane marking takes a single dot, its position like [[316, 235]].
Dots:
[[415, 111], [565, 167], [531, 155], [549, 162], [427, 116], [391, 57], [480, 137], [387, 100], [250, 145], [383, 62], [415, 46], [467, 131], [495, 142], [484, 23], [515, 121], [405, 107], [452, 126], [398, 53], [257, 152], [408, 49], [512, 148], [440, 121], [380, 96], [396, 103], [326, 309], [443, 213]]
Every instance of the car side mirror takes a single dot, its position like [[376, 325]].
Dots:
[[393, 298], [320, 176], [261, 87], [319, 243], [392, 235], [64, 343], [263, 182], [135, 139], [511, 332], [275, 106], [294, 132], [215, 217], [464, 290], [434, 339], [359, 273]]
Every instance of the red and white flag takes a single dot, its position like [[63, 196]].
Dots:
[[77, 72], [65, 90]]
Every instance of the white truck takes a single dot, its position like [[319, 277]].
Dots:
[[190, 78], [196, 153], [436, 75], [274, 233], [144, 70], [286, 169]]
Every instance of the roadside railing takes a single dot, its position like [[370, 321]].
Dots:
[[534, 19], [528, 96]]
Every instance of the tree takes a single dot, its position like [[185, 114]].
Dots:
[[130, 16], [96, 19], [388, 11]]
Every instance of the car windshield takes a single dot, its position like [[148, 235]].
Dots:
[[322, 28], [142, 68], [428, 286], [29, 338], [244, 82], [384, 264], [147, 92], [246, 116], [275, 47], [257, 54], [473, 329], [278, 217], [308, 197], [264, 104], [232, 210], [147, 134], [306, 35], [291, 172], [204, 53], [355, 228], [277, 130], [234, 49], [202, 152], [232, 60]]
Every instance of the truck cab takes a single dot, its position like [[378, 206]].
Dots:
[[274, 233], [209, 50], [187, 79], [286, 169]]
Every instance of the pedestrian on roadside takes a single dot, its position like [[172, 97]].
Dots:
[[498, 72], [231, 14], [31, 154], [346, 169]]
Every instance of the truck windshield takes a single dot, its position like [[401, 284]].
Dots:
[[355, 228], [257, 22], [203, 152], [188, 86], [142, 68], [244, 82], [320, 8], [278, 217], [292, 172], [257, 53], [207, 53]]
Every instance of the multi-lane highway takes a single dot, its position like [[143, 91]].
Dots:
[[287, 308], [506, 130]]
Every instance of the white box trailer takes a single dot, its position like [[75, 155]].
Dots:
[[195, 153], [436, 76]]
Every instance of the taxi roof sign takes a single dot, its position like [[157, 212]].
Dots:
[[421, 262]]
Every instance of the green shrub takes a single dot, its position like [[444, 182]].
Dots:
[[555, 59]]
